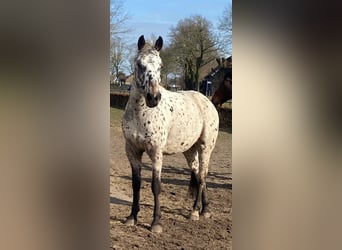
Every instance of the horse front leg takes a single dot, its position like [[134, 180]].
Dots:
[[134, 158], [157, 161]]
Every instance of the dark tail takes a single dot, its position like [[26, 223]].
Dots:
[[193, 186]]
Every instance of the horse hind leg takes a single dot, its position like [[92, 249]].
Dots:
[[204, 156], [205, 202], [191, 157], [201, 205]]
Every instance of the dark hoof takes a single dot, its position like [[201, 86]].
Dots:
[[157, 228]]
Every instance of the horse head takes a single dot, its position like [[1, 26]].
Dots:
[[148, 66], [223, 93]]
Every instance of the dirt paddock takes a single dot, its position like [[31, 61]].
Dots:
[[178, 231]]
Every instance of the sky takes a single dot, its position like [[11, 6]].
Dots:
[[157, 17]]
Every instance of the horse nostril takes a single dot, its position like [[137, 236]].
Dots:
[[149, 96], [151, 100]]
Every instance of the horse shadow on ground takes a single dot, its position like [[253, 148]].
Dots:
[[114, 200], [177, 211], [164, 209], [186, 171], [181, 182], [218, 176], [170, 170]]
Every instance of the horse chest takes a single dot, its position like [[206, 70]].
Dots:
[[145, 127]]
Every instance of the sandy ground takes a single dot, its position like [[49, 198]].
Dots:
[[178, 231]]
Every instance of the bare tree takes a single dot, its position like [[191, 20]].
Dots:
[[226, 28], [118, 30], [131, 54], [194, 45], [118, 19], [118, 53]]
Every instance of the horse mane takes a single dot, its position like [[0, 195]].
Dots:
[[228, 74]]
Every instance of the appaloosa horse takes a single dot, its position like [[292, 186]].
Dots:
[[223, 92], [158, 121]]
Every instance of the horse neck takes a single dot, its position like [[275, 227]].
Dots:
[[226, 95]]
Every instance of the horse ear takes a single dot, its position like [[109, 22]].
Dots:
[[159, 44], [141, 42]]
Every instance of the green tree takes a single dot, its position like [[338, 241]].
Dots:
[[169, 63], [194, 45]]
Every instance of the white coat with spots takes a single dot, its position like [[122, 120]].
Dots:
[[158, 121]]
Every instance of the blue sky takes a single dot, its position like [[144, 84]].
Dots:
[[156, 17]]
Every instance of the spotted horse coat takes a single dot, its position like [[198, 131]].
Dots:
[[158, 122]]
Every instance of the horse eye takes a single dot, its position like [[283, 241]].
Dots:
[[140, 66]]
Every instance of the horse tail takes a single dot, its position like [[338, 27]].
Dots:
[[193, 186]]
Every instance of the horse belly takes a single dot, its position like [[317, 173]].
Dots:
[[182, 136]]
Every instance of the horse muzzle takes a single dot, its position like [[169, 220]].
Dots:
[[151, 100]]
